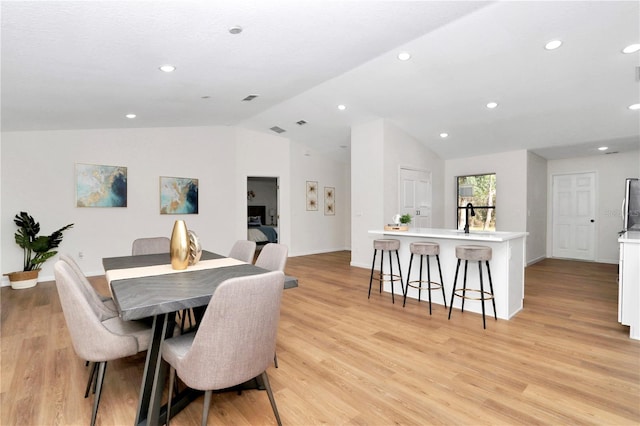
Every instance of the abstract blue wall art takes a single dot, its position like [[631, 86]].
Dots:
[[178, 195], [101, 186]]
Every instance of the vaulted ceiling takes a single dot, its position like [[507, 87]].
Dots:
[[86, 64]]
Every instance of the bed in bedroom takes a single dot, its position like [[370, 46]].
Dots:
[[257, 230]]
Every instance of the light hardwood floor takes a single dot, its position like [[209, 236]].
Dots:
[[347, 360]]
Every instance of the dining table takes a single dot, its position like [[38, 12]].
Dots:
[[147, 287]]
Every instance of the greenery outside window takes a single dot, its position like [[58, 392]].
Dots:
[[480, 191]]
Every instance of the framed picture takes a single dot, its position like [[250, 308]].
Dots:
[[329, 201], [178, 195], [312, 195], [101, 186]]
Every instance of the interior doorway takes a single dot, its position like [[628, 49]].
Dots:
[[574, 216], [263, 202]]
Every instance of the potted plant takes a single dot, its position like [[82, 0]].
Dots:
[[405, 219], [37, 249]]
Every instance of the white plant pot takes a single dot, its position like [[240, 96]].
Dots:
[[22, 280]]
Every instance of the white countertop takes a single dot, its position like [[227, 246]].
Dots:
[[630, 237], [454, 234]]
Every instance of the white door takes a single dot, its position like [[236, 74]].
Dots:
[[574, 216], [415, 196]]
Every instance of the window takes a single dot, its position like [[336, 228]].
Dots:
[[480, 191]]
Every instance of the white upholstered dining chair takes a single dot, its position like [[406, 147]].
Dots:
[[235, 341], [103, 306], [159, 245], [273, 257], [151, 245], [93, 339], [243, 250]]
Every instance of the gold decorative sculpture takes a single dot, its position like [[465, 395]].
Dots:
[[179, 250], [195, 250]]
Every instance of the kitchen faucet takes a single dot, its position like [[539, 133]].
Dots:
[[466, 216]]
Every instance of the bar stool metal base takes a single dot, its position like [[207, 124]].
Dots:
[[484, 295], [419, 284], [381, 276]]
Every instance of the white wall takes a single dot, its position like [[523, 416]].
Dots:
[[313, 231], [260, 154], [511, 186], [367, 188], [402, 150], [611, 171], [4, 279], [536, 208], [378, 150], [37, 174], [45, 187]]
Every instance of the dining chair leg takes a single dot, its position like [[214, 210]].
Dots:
[[275, 360], [205, 408], [272, 400], [172, 376], [92, 376], [186, 314], [102, 366], [191, 319], [95, 381]]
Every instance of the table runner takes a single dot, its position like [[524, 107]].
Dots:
[[149, 271]]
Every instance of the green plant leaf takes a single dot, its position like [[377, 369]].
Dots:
[[40, 258], [37, 249], [28, 225]]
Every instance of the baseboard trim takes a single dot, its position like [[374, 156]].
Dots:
[[296, 254]]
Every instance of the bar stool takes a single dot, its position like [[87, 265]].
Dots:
[[388, 245], [479, 254], [425, 248]]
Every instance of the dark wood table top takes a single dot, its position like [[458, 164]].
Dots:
[[148, 296]]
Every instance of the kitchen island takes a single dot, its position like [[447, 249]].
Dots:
[[507, 266], [629, 282]]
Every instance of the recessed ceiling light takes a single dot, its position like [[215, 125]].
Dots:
[[342, 107], [492, 105], [553, 44], [167, 68], [130, 116], [603, 148], [632, 48], [236, 29], [444, 135], [634, 107], [404, 56]]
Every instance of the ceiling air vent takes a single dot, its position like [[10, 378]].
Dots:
[[278, 129], [301, 123], [637, 73], [612, 152], [249, 98]]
